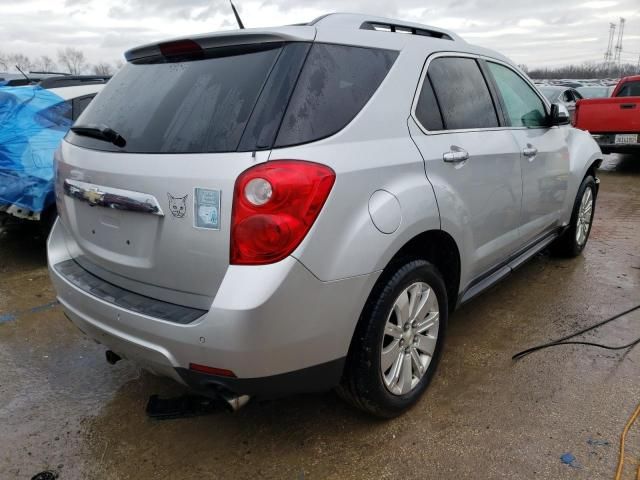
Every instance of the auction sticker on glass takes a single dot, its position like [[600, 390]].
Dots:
[[206, 204]]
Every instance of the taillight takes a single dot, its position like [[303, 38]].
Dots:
[[274, 206]]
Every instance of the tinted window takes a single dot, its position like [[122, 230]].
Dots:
[[522, 105], [427, 110], [186, 106], [334, 85], [266, 117], [462, 93], [630, 89], [80, 103]]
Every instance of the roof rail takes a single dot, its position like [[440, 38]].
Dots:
[[73, 81], [398, 28], [380, 24]]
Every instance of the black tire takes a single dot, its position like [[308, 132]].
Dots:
[[362, 383], [567, 244]]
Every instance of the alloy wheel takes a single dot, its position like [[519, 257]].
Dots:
[[410, 338], [585, 214]]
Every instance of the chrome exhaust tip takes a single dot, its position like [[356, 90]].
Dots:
[[235, 402]]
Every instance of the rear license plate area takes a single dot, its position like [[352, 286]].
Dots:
[[626, 138]]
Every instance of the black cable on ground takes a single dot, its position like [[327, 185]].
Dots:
[[563, 340]]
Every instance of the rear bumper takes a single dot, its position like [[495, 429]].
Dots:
[[277, 327], [607, 144]]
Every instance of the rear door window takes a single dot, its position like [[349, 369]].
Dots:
[[335, 84], [427, 109], [462, 93], [523, 107]]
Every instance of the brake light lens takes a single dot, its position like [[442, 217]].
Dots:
[[180, 48], [274, 206]]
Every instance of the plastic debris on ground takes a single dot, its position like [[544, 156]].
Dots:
[[569, 459]]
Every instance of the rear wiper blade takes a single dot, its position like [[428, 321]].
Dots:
[[100, 132]]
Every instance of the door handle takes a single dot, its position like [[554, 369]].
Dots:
[[530, 151], [627, 106], [455, 155]]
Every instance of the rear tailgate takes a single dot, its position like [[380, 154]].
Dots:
[[150, 212], [609, 115], [182, 249]]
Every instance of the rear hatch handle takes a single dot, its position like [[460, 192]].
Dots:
[[100, 196]]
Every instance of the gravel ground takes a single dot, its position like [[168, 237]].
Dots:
[[63, 408]]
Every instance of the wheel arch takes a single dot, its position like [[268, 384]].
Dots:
[[440, 249], [437, 247]]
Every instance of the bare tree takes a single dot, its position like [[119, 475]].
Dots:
[[4, 61], [118, 64], [18, 60], [73, 60], [46, 64], [586, 70], [103, 68]]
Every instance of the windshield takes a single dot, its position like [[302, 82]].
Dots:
[[594, 92]]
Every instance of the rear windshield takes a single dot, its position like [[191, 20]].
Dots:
[[630, 89], [236, 100]]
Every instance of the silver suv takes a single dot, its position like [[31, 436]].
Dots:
[[268, 212]]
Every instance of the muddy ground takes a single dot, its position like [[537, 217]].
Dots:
[[63, 408]]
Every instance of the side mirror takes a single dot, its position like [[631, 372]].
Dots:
[[559, 115]]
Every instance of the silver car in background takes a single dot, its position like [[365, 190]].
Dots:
[[285, 210], [566, 96]]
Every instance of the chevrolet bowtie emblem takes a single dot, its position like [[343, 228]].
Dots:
[[94, 197]]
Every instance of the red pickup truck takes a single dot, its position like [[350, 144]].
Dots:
[[613, 122]]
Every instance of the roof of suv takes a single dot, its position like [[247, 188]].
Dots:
[[326, 27]]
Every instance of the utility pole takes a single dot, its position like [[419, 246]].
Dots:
[[618, 60], [608, 55]]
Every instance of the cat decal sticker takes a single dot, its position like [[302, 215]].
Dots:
[[178, 205]]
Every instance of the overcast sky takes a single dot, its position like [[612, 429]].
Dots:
[[533, 32]]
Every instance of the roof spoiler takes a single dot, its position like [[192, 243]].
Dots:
[[229, 39]]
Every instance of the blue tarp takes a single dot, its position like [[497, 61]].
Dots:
[[33, 121]]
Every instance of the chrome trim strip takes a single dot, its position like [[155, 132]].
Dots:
[[97, 195]]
